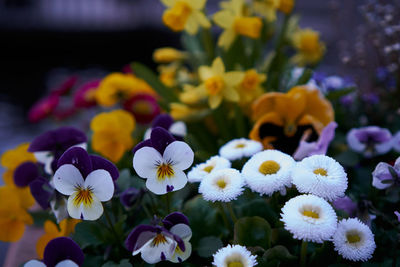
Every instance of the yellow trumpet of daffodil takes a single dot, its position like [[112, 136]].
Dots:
[[168, 55], [185, 15], [218, 84], [12, 158], [286, 6], [112, 133], [13, 216], [250, 87], [267, 8], [308, 45], [281, 119], [234, 22], [66, 227], [120, 86]]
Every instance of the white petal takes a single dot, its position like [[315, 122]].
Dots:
[[34, 263], [92, 212], [67, 263], [101, 183], [66, 178], [74, 211], [46, 158], [178, 128], [153, 255], [159, 187], [182, 256], [147, 134], [145, 162], [180, 154], [182, 230]]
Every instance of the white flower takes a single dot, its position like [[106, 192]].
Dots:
[[320, 175], [85, 195], [185, 233], [309, 218], [354, 240], [164, 173], [64, 263], [268, 171], [201, 170], [222, 185], [240, 148], [235, 255], [177, 128]]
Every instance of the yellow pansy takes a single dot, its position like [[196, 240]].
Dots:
[[66, 227], [168, 55], [185, 15], [168, 74], [267, 8], [250, 87], [112, 133], [309, 48], [234, 22], [286, 6], [13, 216], [218, 84], [281, 119], [12, 158], [120, 86]]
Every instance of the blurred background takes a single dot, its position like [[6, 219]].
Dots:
[[45, 41]]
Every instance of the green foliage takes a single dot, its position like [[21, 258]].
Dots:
[[208, 245], [253, 231]]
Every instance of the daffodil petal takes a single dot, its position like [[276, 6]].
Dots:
[[144, 162], [180, 154], [168, 3], [218, 67], [202, 19], [226, 38], [214, 101], [66, 178], [101, 183], [191, 25], [224, 19]]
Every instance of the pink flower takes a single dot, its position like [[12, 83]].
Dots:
[[143, 106], [84, 96], [43, 108]]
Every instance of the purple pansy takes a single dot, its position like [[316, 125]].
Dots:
[[345, 204], [87, 180], [157, 243], [42, 191], [129, 196], [25, 174], [398, 215], [61, 251], [370, 140], [318, 147], [177, 129], [396, 142], [161, 160], [386, 175]]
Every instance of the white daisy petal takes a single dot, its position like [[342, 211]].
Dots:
[[201, 170], [178, 128], [309, 218], [66, 178], [101, 184], [353, 240], [234, 254], [145, 160], [66, 263], [34, 263], [155, 253], [179, 154], [240, 148]]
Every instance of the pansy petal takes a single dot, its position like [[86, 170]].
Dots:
[[75, 211], [175, 218], [160, 139], [104, 164], [93, 211], [58, 139], [353, 141], [42, 192], [67, 263], [180, 154], [145, 160], [164, 121], [101, 183], [180, 256], [182, 230], [153, 254], [144, 143], [139, 236], [178, 129], [160, 187], [78, 157], [25, 173], [62, 248], [66, 178], [34, 263]]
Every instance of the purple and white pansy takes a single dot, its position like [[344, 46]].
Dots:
[[370, 140], [60, 252], [176, 128], [396, 142], [161, 160], [88, 180], [159, 243], [386, 175]]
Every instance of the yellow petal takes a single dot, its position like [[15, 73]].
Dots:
[[191, 26], [205, 73], [12, 158], [231, 94], [201, 19], [218, 67], [233, 78], [214, 101], [11, 230], [196, 4], [265, 104], [168, 3], [224, 19], [227, 38]]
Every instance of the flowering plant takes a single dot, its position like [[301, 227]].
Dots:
[[232, 155]]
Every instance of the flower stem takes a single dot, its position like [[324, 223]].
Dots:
[[303, 253], [231, 212], [167, 200], [111, 225], [224, 218]]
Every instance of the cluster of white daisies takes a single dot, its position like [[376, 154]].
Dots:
[[308, 217]]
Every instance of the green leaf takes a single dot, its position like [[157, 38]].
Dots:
[[279, 253], [253, 231], [208, 246], [348, 158], [393, 173], [124, 179], [88, 234], [258, 207], [91, 260], [122, 263], [335, 95], [305, 77]]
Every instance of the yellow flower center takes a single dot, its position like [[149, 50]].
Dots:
[[176, 17], [269, 167], [353, 237], [250, 80], [221, 183], [159, 239], [311, 214], [235, 264], [321, 171], [164, 170], [248, 26], [85, 196], [214, 85], [168, 78], [142, 107], [240, 145], [309, 42], [208, 168]]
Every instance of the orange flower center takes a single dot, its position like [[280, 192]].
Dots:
[[214, 85], [176, 17], [85, 196], [159, 239], [248, 26], [164, 171], [269, 167], [321, 171]]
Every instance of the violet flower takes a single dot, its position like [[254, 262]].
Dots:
[[386, 175], [396, 142], [129, 196], [319, 147], [177, 129], [398, 215], [345, 204], [25, 173], [370, 140]]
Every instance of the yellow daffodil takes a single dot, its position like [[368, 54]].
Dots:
[[168, 55], [66, 227], [234, 22], [185, 15], [191, 95], [267, 8], [309, 48], [282, 119], [112, 133], [12, 158], [250, 87], [218, 84], [120, 86], [168, 74], [13, 216], [181, 111], [286, 6]]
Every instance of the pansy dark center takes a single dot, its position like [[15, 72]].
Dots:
[[353, 237], [269, 167], [321, 171], [84, 196], [159, 239], [164, 170]]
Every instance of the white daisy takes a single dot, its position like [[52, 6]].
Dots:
[[198, 172], [354, 240], [240, 148], [235, 255], [222, 185], [268, 171], [309, 218], [320, 175]]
